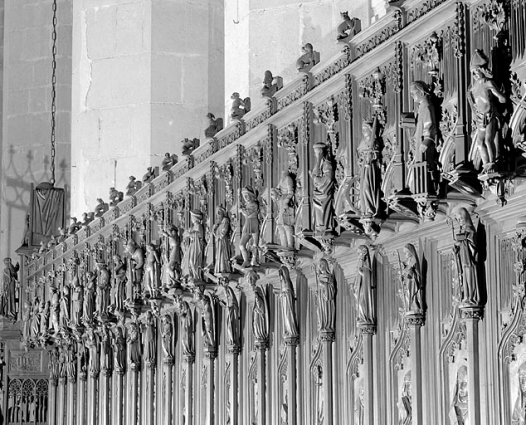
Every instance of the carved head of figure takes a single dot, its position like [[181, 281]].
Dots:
[[319, 150], [267, 80], [410, 254], [220, 213], [323, 266], [363, 252], [132, 178], [284, 276], [345, 15], [462, 384], [307, 48], [419, 91], [131, 246], [165, 319], [234, 96], [249, 194], [196, 216], [479, 65], [7, 262], [464, 219], [406, 391], [211, 117]]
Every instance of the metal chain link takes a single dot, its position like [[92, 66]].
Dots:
[[53, 91]]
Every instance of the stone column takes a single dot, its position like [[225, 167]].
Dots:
[[209, 389], [118, 398], [415, 322], [71, 399], [148, 396], [61, 400], [261, 376], [81, 399], [92, 408], [105, 399], [327, 338], [188, 395], [471, 316], [292, 384], [368, 331], [168, 364], [52, 416], [234, 388], [132, 414]]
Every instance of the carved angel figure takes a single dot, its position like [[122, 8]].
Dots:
[[149, 175], [283, 197], [251, 227], [323, 191], [364, 288], [466, 258], [194, 244], [484, 97], [189, 145], [101, 208], [288, 305], [239, 106], [115, 196], [308, 59], [326, 295], [412, 284], [8, 289], [370, 174], [459, 412], [169, 161]]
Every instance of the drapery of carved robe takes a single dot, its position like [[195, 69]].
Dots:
[[405, 411], [223, 247], [48, 212], [120, 286], [519, 409], [166, 336], [134, 350], [364, 293], [208, 322], [288, 308], [64, 306], [467, 254], [413, 290], [322, 197], [103, 292], [194, 254], [326, 303], [8, 293], [152, 272], [89, 299], [150, 344], [260, 316], [370, 183], [119, 353], [232, 318], [187, 336]]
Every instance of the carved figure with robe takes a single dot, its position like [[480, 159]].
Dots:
[[232, 317], [459, 412], [132, 186], [134, 346], [323, 190], [194, 246], [26, 320], [65, 306], [221, 242], [288, 305], [260, 316], [77, 298], [119, 351], [135, 266], [405, 408], [412, 283], [106, 350], [119, 288], [326, 294], [92, 343], [71, 362], [150, 340], [152, 271], [283, 197], [89, 296], [485, 97], [8, 289], [214, 125], [35, 318], [103, 289], [466, 258], [187, 326], [44, 318], [364, 287], [251, 227], [205, 304], [370, 173], [54, 318], [518, 416], [173, 266], [167, 337]]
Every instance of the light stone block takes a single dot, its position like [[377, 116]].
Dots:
[[132, 34]]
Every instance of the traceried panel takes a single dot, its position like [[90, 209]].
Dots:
[[445, 259], [506, 272]]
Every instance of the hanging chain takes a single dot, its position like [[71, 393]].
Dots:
[[53, 90]]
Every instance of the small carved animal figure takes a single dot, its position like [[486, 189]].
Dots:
[[348, 28], [74, 226], [189, 145], [215, 125], [133, 186], [115, 196], [239, 106], [149, 176], [169, 161], [101, 208], [308, 59], [271, 85]]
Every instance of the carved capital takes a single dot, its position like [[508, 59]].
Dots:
[[327, 336], [233, 348], [189, 359], [471, 312], [415, 320], [261, 344], [168, 361], [367, 328], [292, 341]]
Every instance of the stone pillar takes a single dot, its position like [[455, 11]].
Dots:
[[415, 322], [188, 395], [209, 390], [368, 331], [292, 384], [167, 413], [234, 388], [471, 316], [72, 398], [327, 338], [148, 395], [261, 376], [61, 400], [52, 409], [118, 399], [132, 414], [105, 398], [81, 397], [92, 405]]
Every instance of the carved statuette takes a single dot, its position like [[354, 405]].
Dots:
[[323, 190], [221, 242], [205, 303], [271, 85], [465, 251], [74, 226], [405, 415], [370, 174], [232, 319], [459, 412], [133, 186], [166, 338], [250, 211], [189, 145], [412, 285], [283, 197], [115, 196], [519, 409], [194, 247], [215, 125], [187, 329], [286, 294], [326, 294], [308, 59], [239, 106], [169, 161], [151, 173], [135, 266], [260, 318], [8, 289], [485, 99], [152, 271], [348, 28], [101, 208], [364, 289], [134, 346], [150, 340], [172, 267]]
